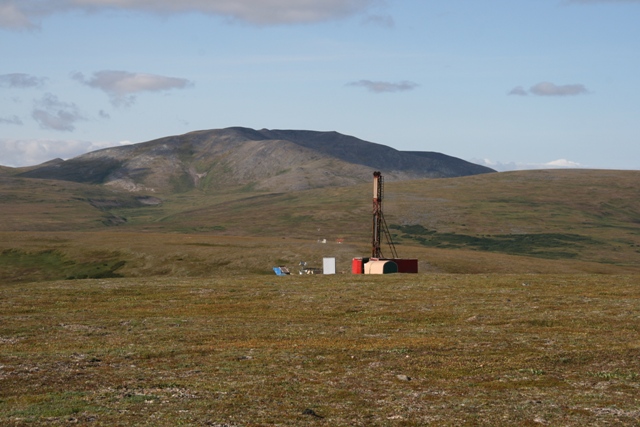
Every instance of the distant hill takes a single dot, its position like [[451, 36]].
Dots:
[[560, 221], [275, 160]]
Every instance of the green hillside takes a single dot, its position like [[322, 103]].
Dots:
[[530, 221]]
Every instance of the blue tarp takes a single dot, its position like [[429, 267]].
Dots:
[[281, 271]]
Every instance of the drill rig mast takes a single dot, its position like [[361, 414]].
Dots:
[[379, 225]]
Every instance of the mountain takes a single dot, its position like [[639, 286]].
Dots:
[[275, 160]]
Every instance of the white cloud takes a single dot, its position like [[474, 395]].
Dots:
[[518, 90], [17, 153], [550, 89], [564, 163], [381, 87], [121, 85], [513, 166], [13, 17], [16, 14], [51, 113], [20, 80]]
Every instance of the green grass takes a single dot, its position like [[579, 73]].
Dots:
[[246, 350], [543, 245], [18, 265], [588, 216]]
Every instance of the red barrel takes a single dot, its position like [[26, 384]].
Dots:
[[357, 266]]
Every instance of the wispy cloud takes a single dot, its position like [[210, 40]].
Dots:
[[14, 120], [13, 16], [121, 86], [21, 81], [385, 21], [519, 90], [564, 163], [513, 166], [550, 89], [17, 153], [16, 14], [382, 87], [51, 113]]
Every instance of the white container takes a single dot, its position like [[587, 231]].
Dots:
[[328, 265]]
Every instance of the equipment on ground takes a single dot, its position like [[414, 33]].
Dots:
[[377, 263]]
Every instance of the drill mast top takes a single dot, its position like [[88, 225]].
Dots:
[[379, 225]]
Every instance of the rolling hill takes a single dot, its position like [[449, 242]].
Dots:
[[549, 221], [275, 160], [239, 198]]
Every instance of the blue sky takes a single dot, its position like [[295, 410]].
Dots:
[[513, 83]]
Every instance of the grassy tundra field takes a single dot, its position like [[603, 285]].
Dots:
[[119, 309], [250, 350]]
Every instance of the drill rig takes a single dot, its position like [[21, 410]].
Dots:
[[377, 263], [379, 225]]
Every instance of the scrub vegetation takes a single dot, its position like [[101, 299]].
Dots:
[[544, 245], [162, 309], [245, 350]]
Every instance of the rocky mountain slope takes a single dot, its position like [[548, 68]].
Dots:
[[275, 160]]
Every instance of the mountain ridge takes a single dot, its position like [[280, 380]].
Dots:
[[281, 160]]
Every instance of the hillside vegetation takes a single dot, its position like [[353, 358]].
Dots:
[[531, 221]]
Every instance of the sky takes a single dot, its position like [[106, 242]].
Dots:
[[512, 84]]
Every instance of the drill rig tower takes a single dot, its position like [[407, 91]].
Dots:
[[379, 225], [377, 263]]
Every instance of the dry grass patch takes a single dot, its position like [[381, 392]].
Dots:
[[343, 350]]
